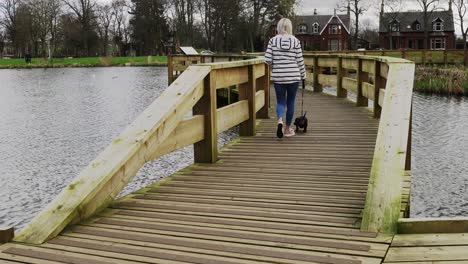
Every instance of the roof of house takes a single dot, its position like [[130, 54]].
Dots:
[[406, 20], [321, 20]]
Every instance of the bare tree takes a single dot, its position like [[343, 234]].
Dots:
[[105, 16], [462, 8], [357, 8], [119, 28], [9, 10], [184, 11], [85, 12], [428, 7]]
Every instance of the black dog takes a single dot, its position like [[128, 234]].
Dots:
[[301, 122]]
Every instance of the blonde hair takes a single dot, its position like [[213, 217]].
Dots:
[[284, 27]]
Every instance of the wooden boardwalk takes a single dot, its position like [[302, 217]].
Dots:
[[294, 200]]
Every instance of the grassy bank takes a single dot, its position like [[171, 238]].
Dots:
[[85, 62], [443, 81]]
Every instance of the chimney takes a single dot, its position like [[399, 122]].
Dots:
[[349, 8], [315, 11], [450, 5], [382, 6]]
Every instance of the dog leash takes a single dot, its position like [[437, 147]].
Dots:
[[302, 104]]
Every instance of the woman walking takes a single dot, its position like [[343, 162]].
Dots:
[[284, 54]]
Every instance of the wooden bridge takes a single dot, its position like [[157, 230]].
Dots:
[[336, 194]]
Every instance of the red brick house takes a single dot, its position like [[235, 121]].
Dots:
[[323, 32], [405, 30]]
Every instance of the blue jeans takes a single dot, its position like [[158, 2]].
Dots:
[[285, 97]]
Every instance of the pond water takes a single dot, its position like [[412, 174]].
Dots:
[[53, 122]]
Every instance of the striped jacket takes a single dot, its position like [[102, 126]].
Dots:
[[284, 54]]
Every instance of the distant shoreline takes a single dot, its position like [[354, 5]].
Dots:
[[38, 63], [446, 81]]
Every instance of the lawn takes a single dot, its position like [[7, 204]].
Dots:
[[85, 61]]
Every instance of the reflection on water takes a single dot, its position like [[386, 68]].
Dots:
[[440, 167], [53, 122]]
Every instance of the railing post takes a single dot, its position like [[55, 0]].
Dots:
[[247, 92], [379, 83], [206, 151], [317, 71], [361, 77], [340, 91], [264, 84], [170, 71]]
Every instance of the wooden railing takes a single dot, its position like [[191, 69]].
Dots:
[[160, 129], [388, 83], [417, 56]]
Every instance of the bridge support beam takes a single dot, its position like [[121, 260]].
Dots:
[[361, 76], [317, 71], [263, 83], [206, 151], [247, 92]]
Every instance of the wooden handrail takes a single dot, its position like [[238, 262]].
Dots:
[[160, 129]]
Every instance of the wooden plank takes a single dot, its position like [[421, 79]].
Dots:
[[327, 62], [98, 184], [247, 249], [259, 100], [232, 115], [188, 132], [206, 151], [4, 258], [258, 70], [231, 76], [384, 70], [441, 253], [433, 225], [381, 97], [368, 90], [6, 234], [383, 201], [368, 66], [350, 84], [327, 80], [441, 239], [60, 256], [351, 64]]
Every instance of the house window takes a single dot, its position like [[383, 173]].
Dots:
[[438, 26], [333, 29], [394, 27], [416, 26], [438, 43], [315, 28], [334, 45], [302, 29]]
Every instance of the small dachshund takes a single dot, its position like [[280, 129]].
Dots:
[[301, 122]]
